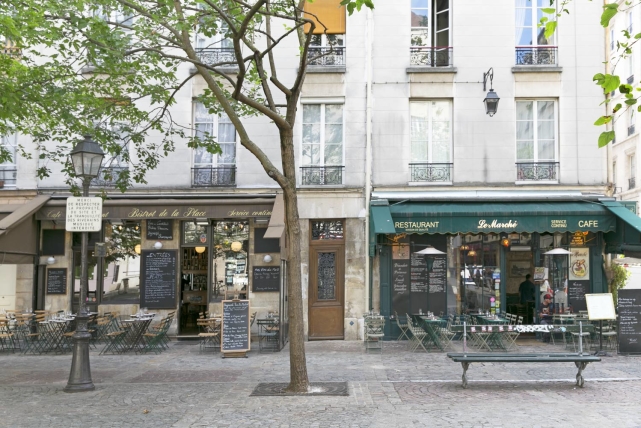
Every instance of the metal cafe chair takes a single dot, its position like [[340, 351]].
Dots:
[[374, 334], [418, 335], [403, 326]]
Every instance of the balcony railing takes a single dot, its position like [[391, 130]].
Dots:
[[213, 176], [223, 57], [108, 176], [537, 171], [431, 172], [630, 130], [632, 183], [328, 56], [437, 56], [7, 176], [321, 175], [536, 55]]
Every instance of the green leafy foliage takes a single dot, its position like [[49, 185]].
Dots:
[[618, 276]]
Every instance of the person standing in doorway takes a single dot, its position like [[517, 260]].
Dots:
[[526, 290]]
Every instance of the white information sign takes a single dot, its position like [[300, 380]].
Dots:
[[600, 306], [84, 214]]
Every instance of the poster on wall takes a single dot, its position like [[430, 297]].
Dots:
[[579, 264]]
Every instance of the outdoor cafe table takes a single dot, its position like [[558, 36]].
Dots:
[[431, 326], [53, 331], [133, 337], [494, 337]]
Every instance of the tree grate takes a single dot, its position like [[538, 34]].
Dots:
[[317, 388]]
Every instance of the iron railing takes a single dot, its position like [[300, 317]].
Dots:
[[213, 176], [436, 56], [321, 175], [630, 130], [537, 171], [108, 176], [536, 55], [223, 57], [632, 183], [326, 55], [7, 176], [431, 172]]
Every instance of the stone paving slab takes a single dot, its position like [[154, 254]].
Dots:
[[396, 388]]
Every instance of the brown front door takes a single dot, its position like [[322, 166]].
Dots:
[[327, 287]]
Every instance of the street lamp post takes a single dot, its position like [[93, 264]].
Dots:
[[86, 157]]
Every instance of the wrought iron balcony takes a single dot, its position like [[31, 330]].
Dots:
[[630, 130], [108, 176], [431, 172], [537, 171], [213, 176], [632, 183], [327, 56], [7, 176], [536, 55], [223, 57], [321, 175], [437, 56]]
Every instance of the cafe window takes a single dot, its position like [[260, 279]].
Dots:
[[536, 131], [194, 233], [230, 275], [431, 131], [121, 267]]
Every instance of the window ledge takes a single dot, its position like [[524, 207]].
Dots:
[[429, 183], [321, 186], [326, 69], [426, 69], [537, 69], [535, 182]]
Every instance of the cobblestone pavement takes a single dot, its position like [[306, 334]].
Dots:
[[185, 388]]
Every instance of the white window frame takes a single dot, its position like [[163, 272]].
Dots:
[[215, 121], [12, 142], [323, 103], [632, 163], [614, 173], [432, 14], [430, 145], [536, 131], [532, 8]]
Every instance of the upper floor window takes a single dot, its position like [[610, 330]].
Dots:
[[214, 169], [8, 168], [322, 148], [532, 46], [327, 47], [632, 163], [430, 33], [536, 136], [431, 141], [116, 160]]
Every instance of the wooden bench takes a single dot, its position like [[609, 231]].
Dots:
[[581, 361]]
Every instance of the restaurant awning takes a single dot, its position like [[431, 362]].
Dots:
[[495, 217], [622, 212], [381, 217], [18, 231], [276, 226]]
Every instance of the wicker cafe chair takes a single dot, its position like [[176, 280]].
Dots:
[[403, 326]]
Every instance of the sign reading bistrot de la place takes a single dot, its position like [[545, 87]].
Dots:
[[83, 214]]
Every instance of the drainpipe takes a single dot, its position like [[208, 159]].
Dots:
[[368, 152]]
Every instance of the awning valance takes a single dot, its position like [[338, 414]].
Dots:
[[381, 218], [18, 232], [624, 214], [495, 217]]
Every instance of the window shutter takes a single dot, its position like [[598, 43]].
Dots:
[[329, 12]]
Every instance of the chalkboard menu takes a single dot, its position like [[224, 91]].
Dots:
[[235, 327], [576, 295], [400, 286], [437, 286], [160, 229], [266, 278], [57, 281], [158, 279], [629, 334]]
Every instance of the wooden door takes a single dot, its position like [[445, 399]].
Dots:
[[327, 290]]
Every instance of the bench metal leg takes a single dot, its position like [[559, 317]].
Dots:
[[465, 367], [579, 377]]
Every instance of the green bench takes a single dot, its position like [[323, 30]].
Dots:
[[581, 361]]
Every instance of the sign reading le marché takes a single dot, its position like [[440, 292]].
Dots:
[[83, 214]]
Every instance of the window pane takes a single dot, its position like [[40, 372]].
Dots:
[[441, 131], [442, 20], [204, 129], [420, 18], [226, 133], [442, 4], [326, 276], [524, 110], [441, 151], [441, 110], [525, 150], [201, 114], [327, 230], [524, 36], [333, 134], [228, 155], [201, 156], [335, 40], [443, 38], [334, 113], [419, 151], [545, 110], [311, 134], [311, 113], [420, 37], [546, 150], [524, 130], [420, 3], [311, 154], [545, 130], [334, 155]]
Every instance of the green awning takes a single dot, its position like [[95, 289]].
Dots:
[[494, 217], [624, 214], [381, 219]]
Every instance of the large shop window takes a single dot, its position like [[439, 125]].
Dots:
[[214, 169], [230, 249], [121, 268], [431, 141], [322, 146]]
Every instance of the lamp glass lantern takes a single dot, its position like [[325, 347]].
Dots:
[[491, 103], [87, 158]]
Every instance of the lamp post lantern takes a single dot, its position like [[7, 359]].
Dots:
[[491, 100], [86, 157]]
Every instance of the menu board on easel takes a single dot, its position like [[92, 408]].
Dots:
[[629, 334], [235, 334]]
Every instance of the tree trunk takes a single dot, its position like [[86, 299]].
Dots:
[[297, 362]]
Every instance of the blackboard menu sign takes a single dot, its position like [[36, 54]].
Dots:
[[418, 283], [400, 286], [158, 279], [160, 229], [437, 286], [57, 281], [629, 334], [266, 278], [576, 295], [235, 327]]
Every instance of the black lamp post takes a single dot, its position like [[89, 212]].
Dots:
[[491, 99], [86, 157]]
